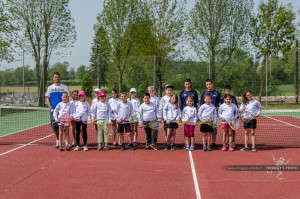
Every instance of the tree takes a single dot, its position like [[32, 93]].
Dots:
[[168, 18], [45, 27], [273, 32], [81, 70], [87, 84], [62, 68], [118, 21], [219, 26]]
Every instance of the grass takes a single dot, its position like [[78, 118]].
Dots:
[[30, 89], [286, 90], [280, 106]]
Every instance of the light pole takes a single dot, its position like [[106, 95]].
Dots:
[[23, 75], [297, 71]]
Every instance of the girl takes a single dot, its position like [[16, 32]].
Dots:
[[148, 112], [72, 102], [62, 118], [254, 108], [189, 128], [207, 114], [101, 113], [113, 101], [135, 105], [171, 115], [81, 115], [94, 101], [227, 111], [124, 112]]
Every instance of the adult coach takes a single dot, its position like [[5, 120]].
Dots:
[[187, 91], [53, 97], [215, 100]]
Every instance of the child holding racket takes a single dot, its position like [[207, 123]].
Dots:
[[171, 114], [101, 114], [153, 97], [189, 111], [215, 100], [227, 113], [207, 115], [72, 102], [81, 115], [124, 112], [164, 100], [227, 90], [62, 118], [148, 112], [94, 101], [135, 105], [113, 101], [249, 107]]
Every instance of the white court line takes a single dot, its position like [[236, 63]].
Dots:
[[194, 176], [282, 122], [25, 145]]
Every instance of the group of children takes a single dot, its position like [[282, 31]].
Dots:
[[168, 111]]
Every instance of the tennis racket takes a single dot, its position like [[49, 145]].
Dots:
[[246, 116], [113, 115], [135, 117], [154, 125], [234, 123], [185, 118], [63, 119]]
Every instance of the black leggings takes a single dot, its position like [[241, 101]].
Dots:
[[84, 133]]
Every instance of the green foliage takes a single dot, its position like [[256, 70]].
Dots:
[[81, 70], [62, 68], [87, 84]]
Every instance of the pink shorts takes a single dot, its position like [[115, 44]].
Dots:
[[189, 130], [225, 126]]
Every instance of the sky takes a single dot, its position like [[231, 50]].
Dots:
[[84, 13]]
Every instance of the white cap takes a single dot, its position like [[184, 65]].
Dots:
[[132, 90], [97, 89]]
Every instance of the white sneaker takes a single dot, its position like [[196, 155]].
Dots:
[[77, 148], [85, 148]]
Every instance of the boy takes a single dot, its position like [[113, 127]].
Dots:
[[215, 100], [187, 91], [153, 98], [53, 97]]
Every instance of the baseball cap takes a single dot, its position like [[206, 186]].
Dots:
[[97, 89], [81, 93], [102, 94], [132, 90], [169, 86]]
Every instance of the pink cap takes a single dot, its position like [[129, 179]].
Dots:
[[102, 94], [81, 93]]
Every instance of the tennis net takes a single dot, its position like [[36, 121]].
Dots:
[[31, 125]]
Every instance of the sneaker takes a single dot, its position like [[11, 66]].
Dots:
[[173, 147], [131, 146], [60, 148], [244, 149], [253, 149], [85, 148], [99, 148], [135, 144], [106, 148], [68, 148], [123, 147], [204, 148], [153, 146], [209, 148], [224, 148], [56, 145], [231, 148], [192, 148], [233, 145], [77, 148], [167, 147], [187, 148], [115, 144], [147, 147]]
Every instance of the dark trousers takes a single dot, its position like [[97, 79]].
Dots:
[[151, 135], [84, 133]]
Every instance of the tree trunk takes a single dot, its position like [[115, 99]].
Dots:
[[213, 65], [159, 78]]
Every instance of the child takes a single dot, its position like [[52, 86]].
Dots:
[[94, 101], [207, 113], [101, 113], [171, 114], [62, 118], [153, 97], [254, 107], [164, 100], [148, 112], [189, 128], [81, 114], [113, 101], [135, 105], [72, 102], [187, 91], [227, 112], [124, 112], [227, 90], [215, 100]]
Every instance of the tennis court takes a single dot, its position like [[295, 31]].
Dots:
[[31, 166]]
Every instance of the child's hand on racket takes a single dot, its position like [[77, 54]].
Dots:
[[141, 125], [119, 120]]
